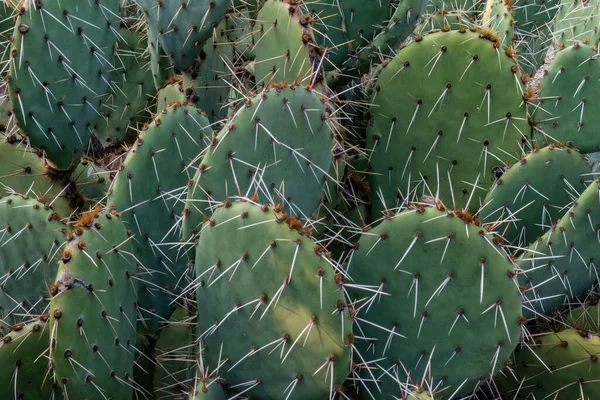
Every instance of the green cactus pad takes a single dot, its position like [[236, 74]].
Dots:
[[132, 88], [561, 365], [175, 355], [284, 45], [150, 191], [584, 318], [62, 58], [277, 145], [460, 303], [533, 33], [25, 372], [397, 29], [23, 171], [449, 106], [559, 268], [171, 93], [211, 391], [569, 93], [532, 194], [183, 27], [30, 240], [209, 84], [498, 15], [576, 22], [93, 310], [445, 20], [269, 304]]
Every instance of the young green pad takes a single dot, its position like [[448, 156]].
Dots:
[[30, 239], [560, 365], [92, 311], [560, 267], [212, 391], [60, 68], [498, 15], [25, 372], [569, 94], [284, 45], [278, 145], [150, 192], [532, 194], [171, 93], [270, 305], [460, 303], [447, 109], [183, 27]]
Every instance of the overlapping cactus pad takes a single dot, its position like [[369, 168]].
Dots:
[[277, 319], [447, 110], [60, 67], [299, 199], [461, 306]]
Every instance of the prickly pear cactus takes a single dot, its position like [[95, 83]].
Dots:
[[183, 27], [30, 239], [60, 67], [576, 22], [132, 90], [569, 92], [207, 87], [446, 111], [148, 190], [24, 366], [460, 310], [93, 310], [559, 267], [498, 15], [561, 365], [269, 305], [278, 146], [284, 45], [532, 194]]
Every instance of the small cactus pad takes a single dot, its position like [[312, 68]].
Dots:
[[62, 58], [30, 239], [278, 145], [445, 112], [460, 302], [283, 45], [560, 267], [569, 93], [269, 304], [92, 311], [183, 27], [149, 190], [208, 391], [498, 15], [560, 365], [23, 363], [532, 194]]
